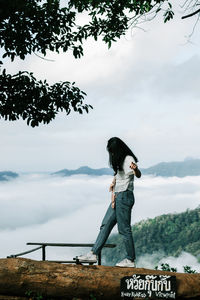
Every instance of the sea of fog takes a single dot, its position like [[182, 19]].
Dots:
[[46, 208]]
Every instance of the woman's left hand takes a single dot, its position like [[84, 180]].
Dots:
[[133, 166], [135, 169]]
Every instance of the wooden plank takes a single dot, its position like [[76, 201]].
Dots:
[[63, 261], [72, 261]]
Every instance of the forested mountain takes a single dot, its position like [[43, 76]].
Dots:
[[4, 176], [168, 234], [190, 167]]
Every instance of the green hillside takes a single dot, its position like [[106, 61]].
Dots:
[[170, 234]]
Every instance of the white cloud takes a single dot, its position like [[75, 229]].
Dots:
[[44, 208], [158, 258], [184, 259], [157, 195]]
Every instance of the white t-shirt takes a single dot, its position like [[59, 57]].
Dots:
[[125, 178]]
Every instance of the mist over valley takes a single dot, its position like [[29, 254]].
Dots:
[[69, 209]]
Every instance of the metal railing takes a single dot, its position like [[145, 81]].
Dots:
[[75, 260]]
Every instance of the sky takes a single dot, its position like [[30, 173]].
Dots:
[[145, 90], [46, 208]]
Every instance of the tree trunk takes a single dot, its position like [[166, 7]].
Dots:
[[21, 277]]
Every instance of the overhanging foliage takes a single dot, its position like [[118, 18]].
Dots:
[[38, 26]]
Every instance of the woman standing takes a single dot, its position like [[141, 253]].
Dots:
[[123, 162]]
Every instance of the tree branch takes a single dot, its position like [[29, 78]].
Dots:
[[192, 14]]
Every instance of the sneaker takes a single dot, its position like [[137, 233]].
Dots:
[[90, 256], [126, 263]]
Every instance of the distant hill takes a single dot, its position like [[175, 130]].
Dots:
[[6, 175], [190, 167], [168, 234], [85, 170]]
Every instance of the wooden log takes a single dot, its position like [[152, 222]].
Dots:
[[58, 281]]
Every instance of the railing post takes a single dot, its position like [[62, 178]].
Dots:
[[99, 258], [43, 252]]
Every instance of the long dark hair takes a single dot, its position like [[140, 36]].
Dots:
[[118, 150]]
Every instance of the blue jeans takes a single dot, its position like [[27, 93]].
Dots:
[[121, 216]]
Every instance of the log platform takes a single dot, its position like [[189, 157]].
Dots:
[[66, 282]]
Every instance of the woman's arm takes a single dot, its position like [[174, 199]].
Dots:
[[136, 170], [111, 188]]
